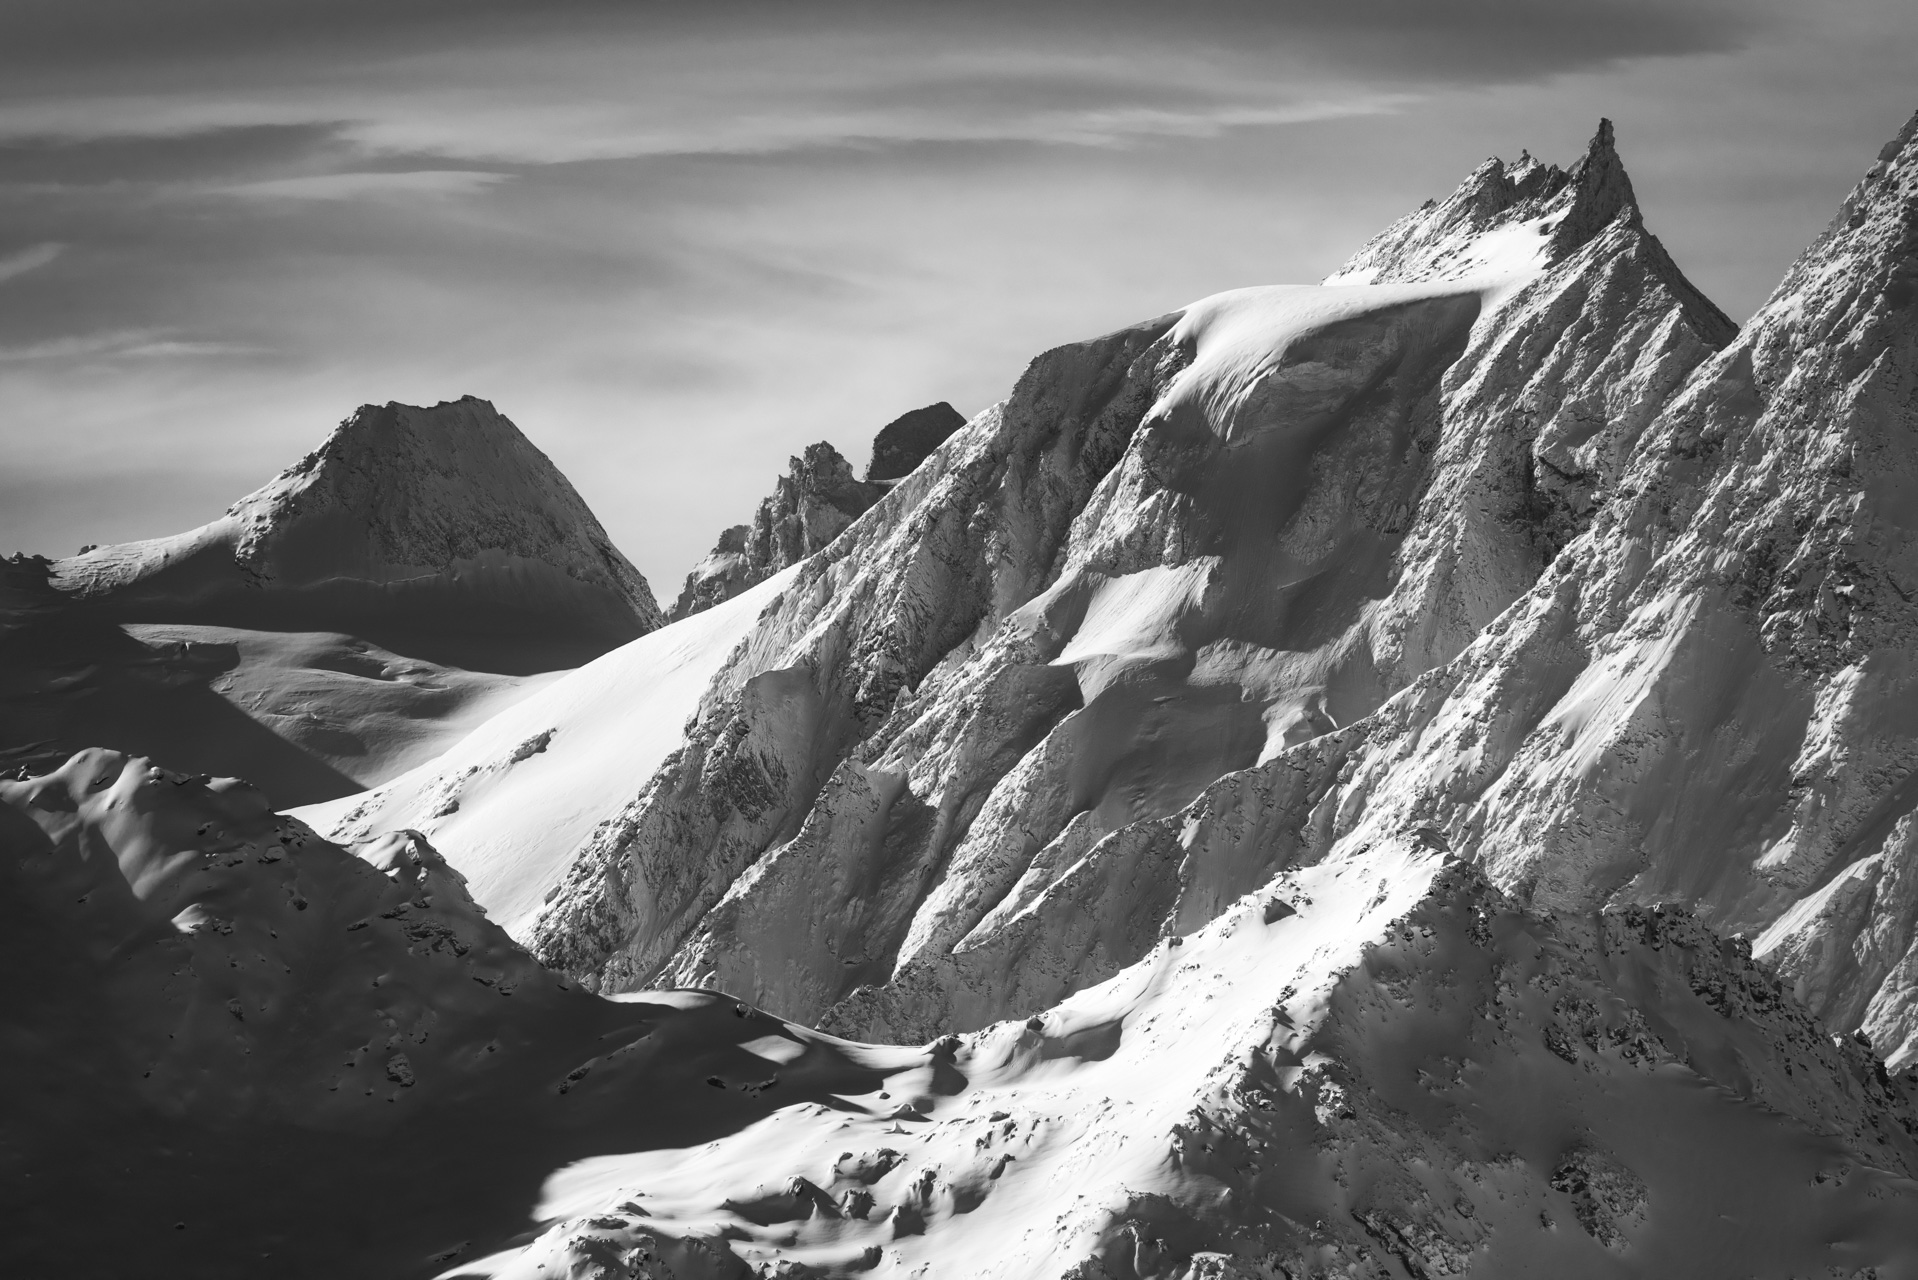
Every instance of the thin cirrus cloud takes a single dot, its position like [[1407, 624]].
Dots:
[[598, 81], [677, 242], [355, 185], [542, 121], [29, 259], [1460, 38], [129, 344]]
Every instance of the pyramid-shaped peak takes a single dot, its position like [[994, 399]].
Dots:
[[407, 524], [1600, 190], [428, 487], [404, 432]]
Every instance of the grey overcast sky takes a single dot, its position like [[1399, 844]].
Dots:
[[677, 242]]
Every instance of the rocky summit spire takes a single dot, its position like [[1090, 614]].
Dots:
[[1600, 191], [1569, 206]]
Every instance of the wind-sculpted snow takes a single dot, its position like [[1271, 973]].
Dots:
[[251, 1051], [1380, 1067], [439, 532]]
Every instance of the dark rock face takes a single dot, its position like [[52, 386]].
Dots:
[[811, 505], [903, 443]]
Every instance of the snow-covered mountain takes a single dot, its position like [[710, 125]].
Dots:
[[439, 532], [256, 1052], [418, 572], [1403, 777], [1174, 554]]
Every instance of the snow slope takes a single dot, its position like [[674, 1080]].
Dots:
[[531, 781], [409, 579], [1376, 1066], [255, 1052], [237, 1050]]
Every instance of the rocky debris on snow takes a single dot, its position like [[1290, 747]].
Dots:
[[1410, 1075]]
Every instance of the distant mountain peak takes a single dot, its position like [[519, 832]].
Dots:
[[406, 520]]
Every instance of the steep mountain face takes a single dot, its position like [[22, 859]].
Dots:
[[810, 506], [1405, 777], [1173, 554], [441, 533]]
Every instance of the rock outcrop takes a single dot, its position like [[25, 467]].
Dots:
[[438, 532], [813, 503], [909, 440], [810, 505]]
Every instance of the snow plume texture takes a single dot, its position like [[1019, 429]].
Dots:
[[1403, 777]]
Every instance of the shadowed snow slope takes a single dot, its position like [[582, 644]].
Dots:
[[440, 533], [237, 1050], [253, 1052]]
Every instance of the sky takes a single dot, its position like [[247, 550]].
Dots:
[[675, 243]]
